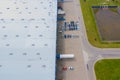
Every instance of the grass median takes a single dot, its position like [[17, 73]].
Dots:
[[107, 69], [90, 22]]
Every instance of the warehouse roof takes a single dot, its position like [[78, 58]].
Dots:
[[27, 39]]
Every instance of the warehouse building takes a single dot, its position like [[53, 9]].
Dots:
[[28, 39]]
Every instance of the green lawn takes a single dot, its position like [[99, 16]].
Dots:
[[90, 23], [108, 69]]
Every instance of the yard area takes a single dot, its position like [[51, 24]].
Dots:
[[90, 22], [107, 69]]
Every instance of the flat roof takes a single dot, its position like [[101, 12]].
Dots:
[[28, 39]]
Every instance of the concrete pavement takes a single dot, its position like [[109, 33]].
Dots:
[[73, 45]]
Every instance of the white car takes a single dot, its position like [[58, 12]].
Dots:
[[71, 68]]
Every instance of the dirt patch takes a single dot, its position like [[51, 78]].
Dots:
[[108, 23]]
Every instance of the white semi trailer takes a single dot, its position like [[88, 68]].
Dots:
[[65, 56]]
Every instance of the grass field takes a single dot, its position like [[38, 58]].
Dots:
[[108, 69], [90, 22]]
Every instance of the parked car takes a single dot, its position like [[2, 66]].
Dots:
[[71, 68]]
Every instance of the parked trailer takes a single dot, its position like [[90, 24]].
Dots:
[[65, 56], [60, 18], [61, 12]]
